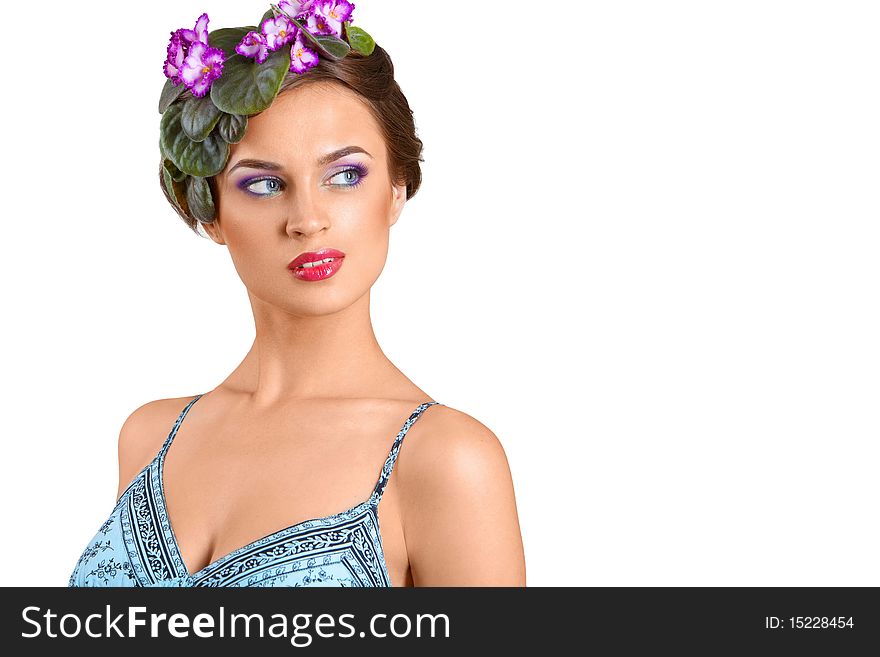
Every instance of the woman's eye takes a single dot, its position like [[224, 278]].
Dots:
[[349, 178], [270, 185]]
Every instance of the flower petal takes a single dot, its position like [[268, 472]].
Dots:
[[294, 8], [201, 28], [251, 44], [302, 58]]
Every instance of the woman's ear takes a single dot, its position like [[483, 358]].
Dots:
[[398, 199], [213, 231]]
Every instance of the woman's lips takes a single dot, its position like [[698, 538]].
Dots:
[[316, 265]]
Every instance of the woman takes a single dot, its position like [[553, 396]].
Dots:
[[275, 477]]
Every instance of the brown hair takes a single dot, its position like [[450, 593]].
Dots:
[[372, 77]]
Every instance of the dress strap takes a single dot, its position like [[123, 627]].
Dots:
[[395, 449], [176, 426]]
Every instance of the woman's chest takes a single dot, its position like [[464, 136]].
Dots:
[[229, 482]]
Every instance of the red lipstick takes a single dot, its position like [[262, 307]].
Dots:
[[316, 265]]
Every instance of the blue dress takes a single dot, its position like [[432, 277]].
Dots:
[[136, 546]]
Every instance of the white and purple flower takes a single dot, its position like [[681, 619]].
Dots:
[[301, 57], [201, 67], [335, 13], [199, 33], [191, 61], [254, 44], [281, 30], [296, 9], [278, 31], [176, 55], [328, 16]]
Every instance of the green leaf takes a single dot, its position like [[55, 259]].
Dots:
[[247, 87], [196, 158], [176, 174], [199, 116], [331, 46], [170, 93], [232, 127], [198, 195], [169, 183], [176, 188], [226, 38], [359, 39]]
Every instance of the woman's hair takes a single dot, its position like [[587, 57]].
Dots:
[[372, 77]]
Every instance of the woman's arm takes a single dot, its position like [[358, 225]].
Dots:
[[458, 507]]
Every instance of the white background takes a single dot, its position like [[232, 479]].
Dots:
[[670, 320]]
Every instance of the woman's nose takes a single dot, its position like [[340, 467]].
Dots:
[[304, 216]]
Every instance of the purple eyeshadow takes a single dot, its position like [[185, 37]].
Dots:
[[360, 168], [356, 166]]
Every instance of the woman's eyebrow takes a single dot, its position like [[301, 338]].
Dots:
[[256, 164], [324, 159], [341, 152]]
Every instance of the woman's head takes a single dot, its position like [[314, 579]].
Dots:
[[372, 78], [301, 200]]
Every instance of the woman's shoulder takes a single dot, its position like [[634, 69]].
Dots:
[[458, 429], [452, 452], [458, 506], [144, 431]]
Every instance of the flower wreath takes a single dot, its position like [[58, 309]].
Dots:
[[233, 73]]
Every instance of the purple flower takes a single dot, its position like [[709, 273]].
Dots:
[[199, 33], [191, 61], [176, 54], [328, 17], [278, 31], [301, 57], [201, 67], [253, 44], [296, 9]]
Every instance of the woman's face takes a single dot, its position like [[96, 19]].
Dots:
[[308, 198]]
